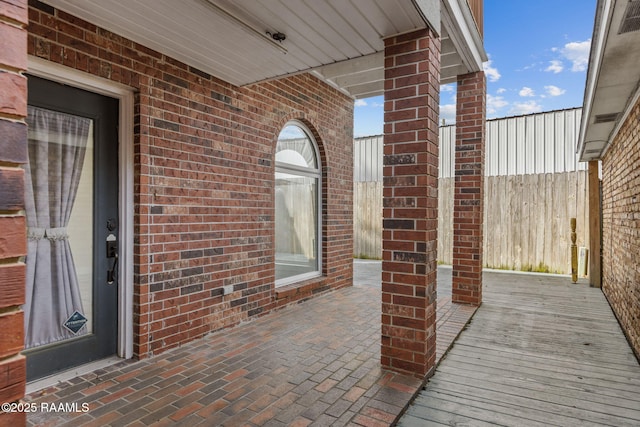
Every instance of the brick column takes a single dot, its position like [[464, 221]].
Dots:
[[410, 217], [13, 245], [468, 204]]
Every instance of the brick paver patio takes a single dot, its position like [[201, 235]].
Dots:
[[315, 363]]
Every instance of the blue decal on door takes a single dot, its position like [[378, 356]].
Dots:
[[75, 322]]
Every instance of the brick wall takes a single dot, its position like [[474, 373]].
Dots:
[[204, 186], [621, 227], [410, 213], [468, 198], [13, 243]]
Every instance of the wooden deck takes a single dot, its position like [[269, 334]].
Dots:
[[540, 351]]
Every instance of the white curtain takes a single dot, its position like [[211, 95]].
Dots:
[[57, 145]]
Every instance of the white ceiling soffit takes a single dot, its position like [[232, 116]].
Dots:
[[613, 78], [461, 52], [340, 40]]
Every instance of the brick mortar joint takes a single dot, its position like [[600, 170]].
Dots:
[[403, 54]]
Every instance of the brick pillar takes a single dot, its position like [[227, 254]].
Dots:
[[468, 204], [13, 244], [410, 217]]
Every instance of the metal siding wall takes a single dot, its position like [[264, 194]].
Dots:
[[533, 144], [357, 161], [521, 144], [548, 141], [447, 151], [560, 158], [367, 159], [539, 145], [512, 149], [530, 145], [502, 144]]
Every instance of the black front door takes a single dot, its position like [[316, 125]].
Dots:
[[71, 180]]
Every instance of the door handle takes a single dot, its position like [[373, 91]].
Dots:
[[112, 253]]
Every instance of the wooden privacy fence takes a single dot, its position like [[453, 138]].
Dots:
[[534, 184], [367, 219], [526, 220]]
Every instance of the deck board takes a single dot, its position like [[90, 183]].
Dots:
[[539, 351]]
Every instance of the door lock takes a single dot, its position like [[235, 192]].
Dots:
[[112, 253]]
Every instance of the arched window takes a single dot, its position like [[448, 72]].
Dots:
[[298, 205]]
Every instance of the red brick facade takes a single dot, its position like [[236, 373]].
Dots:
[[13, 242], [468, 203], [410, 215], [204, 186], [621, 227]]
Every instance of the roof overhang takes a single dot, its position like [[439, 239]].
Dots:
[[239, 42], [613, 78]]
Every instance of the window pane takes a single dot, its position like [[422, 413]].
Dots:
[[295, 148], [296, 225]]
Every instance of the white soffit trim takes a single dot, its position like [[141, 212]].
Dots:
[[463, 32], [622, 119], [69, 76], [601, 30]]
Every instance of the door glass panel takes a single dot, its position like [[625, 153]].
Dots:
[[80, 230], [59, 206]]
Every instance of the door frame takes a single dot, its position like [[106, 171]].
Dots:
[[125, 95]]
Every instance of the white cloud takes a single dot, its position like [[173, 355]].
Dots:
[[528, 107], [495, 103], [528, 67], [492, 73], [526, 91], [448, 113], [360, 103], [447, 88], [554, 90], [578, 54], [501, 90], [555, 66]]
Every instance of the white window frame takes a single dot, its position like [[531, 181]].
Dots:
[[307, 172]]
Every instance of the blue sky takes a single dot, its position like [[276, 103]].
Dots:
[[538, 56]]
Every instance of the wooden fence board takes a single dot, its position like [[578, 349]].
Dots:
[[526, 220], [367, 219], [445, 220]]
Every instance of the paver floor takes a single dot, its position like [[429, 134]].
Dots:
[[315, 363], [540, 351]]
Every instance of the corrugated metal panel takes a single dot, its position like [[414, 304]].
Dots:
[[521, 139], [446, 162], [502, 144], [536, 143], [367, 159]]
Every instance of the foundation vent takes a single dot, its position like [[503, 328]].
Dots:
[[605, 118], [631, 19]]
